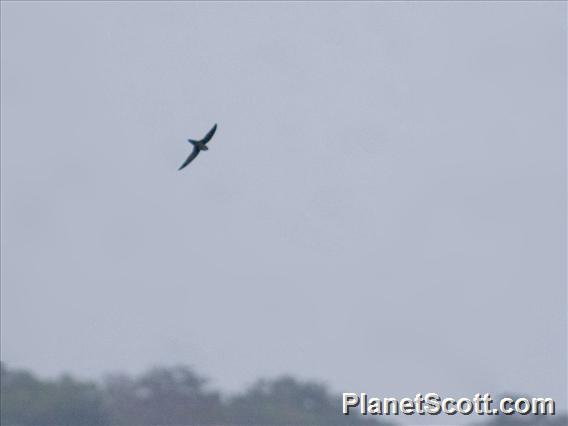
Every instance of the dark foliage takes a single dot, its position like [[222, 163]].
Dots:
[[162, 396], [26, 400], [179, 396], [286, 401]]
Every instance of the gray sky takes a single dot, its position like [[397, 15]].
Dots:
[[383, 207]]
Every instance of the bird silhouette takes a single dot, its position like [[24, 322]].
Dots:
[[198, 146]]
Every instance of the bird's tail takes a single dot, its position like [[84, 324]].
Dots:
[[192, 141]]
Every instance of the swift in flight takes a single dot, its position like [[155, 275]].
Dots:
[[198, 146]]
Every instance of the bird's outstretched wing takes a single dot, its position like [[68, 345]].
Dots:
[[210, 134], [189, 159]]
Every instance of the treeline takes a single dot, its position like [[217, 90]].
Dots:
[[179, 396], [164, 396]]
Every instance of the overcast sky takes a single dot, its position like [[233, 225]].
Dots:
[[383, 207]]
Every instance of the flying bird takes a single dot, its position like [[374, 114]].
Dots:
[[198, 146]]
